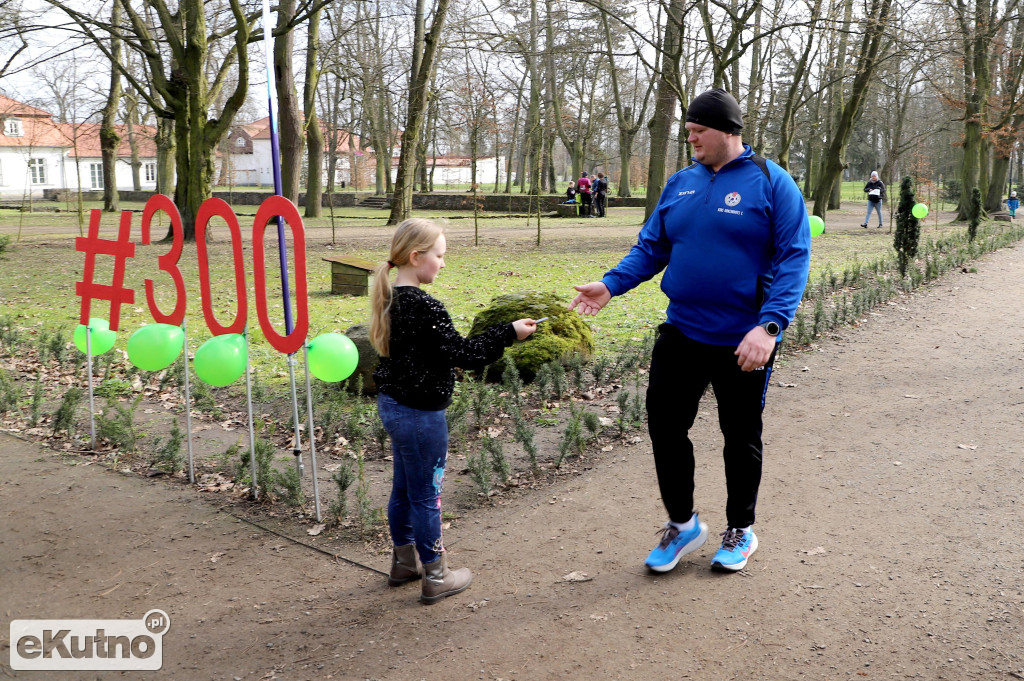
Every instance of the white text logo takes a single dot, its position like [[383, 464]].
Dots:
[[66, 645]]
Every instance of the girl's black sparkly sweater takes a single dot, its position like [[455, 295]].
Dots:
[[425, 348]]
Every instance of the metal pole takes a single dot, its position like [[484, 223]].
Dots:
[[281, 248], [248, 406], [312, 435], [92, 406], [188, 407]]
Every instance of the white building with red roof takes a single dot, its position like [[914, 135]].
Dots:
[[249, 160], [37, 153], [249, 157]]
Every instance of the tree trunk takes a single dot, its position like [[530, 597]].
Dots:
[[166, 156], [110, 140], [835, 94], [289, 121], [977, 85], [786, 127], [664, 105], [513, 151], [314, 135], [133, 145], [531, 147], [401, 206], [755, 90], [627, 124], [196, 135]]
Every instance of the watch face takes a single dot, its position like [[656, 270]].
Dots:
[[772, 328]]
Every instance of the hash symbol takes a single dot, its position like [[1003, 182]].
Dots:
[[122, 249]]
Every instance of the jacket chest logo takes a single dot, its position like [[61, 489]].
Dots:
[[732, 199]]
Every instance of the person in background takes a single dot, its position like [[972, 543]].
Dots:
[[1012, 204], [875, 189], [600, 194], [583, 188]]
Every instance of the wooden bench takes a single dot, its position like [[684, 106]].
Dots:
[[350, 276]]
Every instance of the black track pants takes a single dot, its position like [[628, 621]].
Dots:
[[681, 369]]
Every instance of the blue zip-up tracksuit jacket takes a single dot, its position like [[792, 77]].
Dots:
[[735, 248]]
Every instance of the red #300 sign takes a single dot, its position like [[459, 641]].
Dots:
[[274, 206]]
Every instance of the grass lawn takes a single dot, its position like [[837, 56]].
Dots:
[[39, 271]]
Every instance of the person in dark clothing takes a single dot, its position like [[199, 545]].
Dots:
[[875, 190], [600, 194], [570, 193], [419, 348], [732, 236], [583, 189]]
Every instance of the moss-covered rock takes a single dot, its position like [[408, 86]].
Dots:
[[563, 334], [368, 359]]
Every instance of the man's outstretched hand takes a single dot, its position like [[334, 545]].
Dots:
[[591, 298]]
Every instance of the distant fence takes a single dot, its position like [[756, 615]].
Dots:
[[491, 203]]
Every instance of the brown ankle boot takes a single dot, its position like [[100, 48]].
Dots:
[[439, 582], [405, 565]]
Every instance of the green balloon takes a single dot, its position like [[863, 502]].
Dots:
[[919, 211], [332, 357], [221, 360], [155, 346], [101, 337], [817, 225]]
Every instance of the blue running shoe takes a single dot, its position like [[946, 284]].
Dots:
[[737, 547], [675, 544]]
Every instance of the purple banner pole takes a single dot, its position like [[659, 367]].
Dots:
[[282, 249]]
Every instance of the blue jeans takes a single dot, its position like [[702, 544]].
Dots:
[[874, 206], [419, 445]]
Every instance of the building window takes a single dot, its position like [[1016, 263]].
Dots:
[[96, 175], [37, 170], [150, 170], [240, 142], [12, 127]]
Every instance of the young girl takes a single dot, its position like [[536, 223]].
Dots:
[[419, 347], [1013, 203]]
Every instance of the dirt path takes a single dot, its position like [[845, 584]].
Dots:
[[889, 524]]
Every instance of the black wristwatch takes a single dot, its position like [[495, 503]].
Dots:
[[772, 328]]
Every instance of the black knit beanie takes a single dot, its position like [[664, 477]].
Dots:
[[716, 109]]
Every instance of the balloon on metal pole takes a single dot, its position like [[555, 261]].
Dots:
[[94, 336], [188, 408], [281, 247], [248, 406], [331, 357], [312, 433], [92, 406]]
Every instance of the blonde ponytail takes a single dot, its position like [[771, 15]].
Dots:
[[380, 309], [414, 234]]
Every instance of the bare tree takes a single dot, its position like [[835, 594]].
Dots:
[[832, 163], [314, 135], [110, 139], [665, 103], [289, 120], [422, 65]]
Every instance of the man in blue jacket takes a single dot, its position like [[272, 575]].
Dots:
[[732, 235]]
